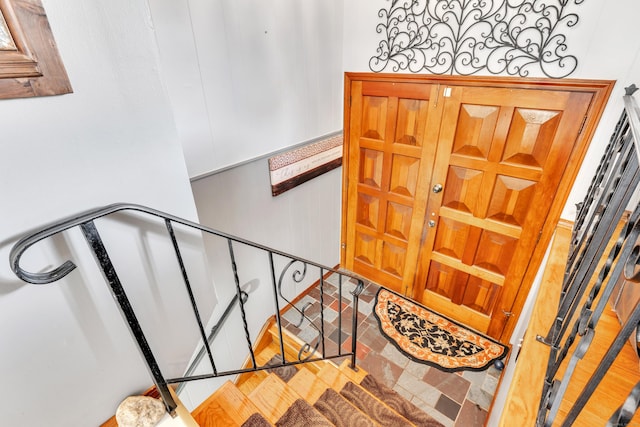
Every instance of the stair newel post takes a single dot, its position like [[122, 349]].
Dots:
[[94, 240], [354, 325]]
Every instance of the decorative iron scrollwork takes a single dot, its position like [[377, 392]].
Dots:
[[517, 37], [297, 275]]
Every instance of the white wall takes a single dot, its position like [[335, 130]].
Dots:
[[304, 221], [66, 357], [248, 78]]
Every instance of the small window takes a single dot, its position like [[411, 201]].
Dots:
[[29, 61]]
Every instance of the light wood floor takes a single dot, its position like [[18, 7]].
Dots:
[[525, 391]]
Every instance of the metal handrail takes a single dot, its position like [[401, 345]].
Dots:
[[85, 221], [76, 220]]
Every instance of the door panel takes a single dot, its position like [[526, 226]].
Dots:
[[390, 137], [501, 154], [453, 185]]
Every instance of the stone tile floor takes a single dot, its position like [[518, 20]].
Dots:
[[460, 399]]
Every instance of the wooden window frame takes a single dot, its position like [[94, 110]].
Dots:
[[34, 67]]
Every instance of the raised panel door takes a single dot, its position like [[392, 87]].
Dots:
[[504, 150], [392, 135], [501, 155]]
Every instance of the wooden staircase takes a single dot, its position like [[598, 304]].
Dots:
[[307, 385], [270, 396]]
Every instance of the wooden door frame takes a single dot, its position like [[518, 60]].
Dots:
[[601, 90]]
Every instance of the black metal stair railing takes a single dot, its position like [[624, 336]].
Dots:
[[295, 268], [591, 276]]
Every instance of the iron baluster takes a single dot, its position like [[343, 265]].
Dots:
[[298, 276], [278, 317], [622, 416], [604, 170], [579, 279], [243, 314], [589, 318], [605, 194], [324, 353], [613, 186], [92, 237], [585, 268], [192, 299], [354, 323], [627, 329]]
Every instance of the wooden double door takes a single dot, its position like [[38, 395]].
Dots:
[[452, 186]]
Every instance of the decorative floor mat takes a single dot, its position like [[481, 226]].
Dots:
[[431, 338]]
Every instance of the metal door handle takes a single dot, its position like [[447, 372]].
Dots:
[[431, 223], [437, 188]]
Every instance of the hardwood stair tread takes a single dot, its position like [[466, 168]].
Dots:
[[227, 406], [337, 377], [263, 340], [273, 397], [251, 381], [309, 386], [268, 348], [266, 393], [355, 376], [247, 382]]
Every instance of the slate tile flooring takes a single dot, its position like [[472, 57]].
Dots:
[[459, 399]]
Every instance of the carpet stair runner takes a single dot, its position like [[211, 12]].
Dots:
[[315, 394]]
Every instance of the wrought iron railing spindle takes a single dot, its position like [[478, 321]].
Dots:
[[591, 277], [192, 299]]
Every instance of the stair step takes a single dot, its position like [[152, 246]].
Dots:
[[303, 414], [273, 397], [340, 411], [308, 385], [251, 381], [398, 403], [263, 341], [337, 377], [354, 376], [227, 406], [373, 407], [318, 393]]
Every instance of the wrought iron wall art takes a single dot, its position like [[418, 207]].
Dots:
[[516, 37]]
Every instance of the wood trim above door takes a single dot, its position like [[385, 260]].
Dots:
[[597, 90]]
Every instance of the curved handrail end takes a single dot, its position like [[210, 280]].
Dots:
[[43, 278]]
